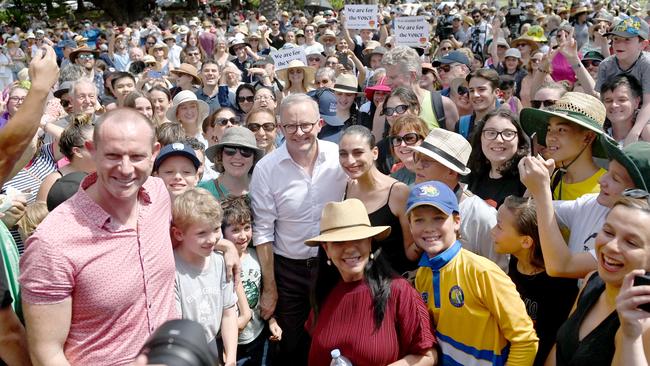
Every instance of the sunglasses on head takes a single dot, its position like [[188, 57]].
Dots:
[[225, 121], [243, 151], [587, 63], [268, 126], [400, 109], [409, 139], [542, 103], [249, 99]]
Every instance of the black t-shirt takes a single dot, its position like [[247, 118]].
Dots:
[[5, 295], [495, 191]]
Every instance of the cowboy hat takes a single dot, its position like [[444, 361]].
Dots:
[[296, 64], [187, 69], [345, 221], [186, 96], [236, 136], [346, 83], [448, 148], [85, 49]]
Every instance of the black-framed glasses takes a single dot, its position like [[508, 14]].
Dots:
[[243, 151], [542, 103], [268, 126], [249, 99], [506, 135], [225, 121], [305, 127], [409, 139], [587, 63], [400, 109]]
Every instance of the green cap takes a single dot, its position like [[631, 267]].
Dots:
[[634, 157]]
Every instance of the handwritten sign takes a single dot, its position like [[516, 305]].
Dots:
[[361, 16], [411, 31], [282, 58]]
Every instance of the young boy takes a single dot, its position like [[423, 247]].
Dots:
[[177, 165], [253, 337], [202, 292], [479, 316]]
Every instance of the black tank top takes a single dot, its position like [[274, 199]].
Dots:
[[393, 246], [597, 347]]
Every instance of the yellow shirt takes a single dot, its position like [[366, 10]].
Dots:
[[426, 111], [572, 191]]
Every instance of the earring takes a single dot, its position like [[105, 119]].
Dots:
[[329, 262], [372, 256]]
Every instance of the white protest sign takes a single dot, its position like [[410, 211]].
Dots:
[[361, 16], [411, 31], [281, 58]]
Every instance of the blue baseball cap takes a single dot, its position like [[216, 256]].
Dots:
[[433, 193], [176, 149], [452, 57], [326, 105], [68, 43]]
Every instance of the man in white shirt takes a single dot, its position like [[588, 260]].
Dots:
[[288, 190]]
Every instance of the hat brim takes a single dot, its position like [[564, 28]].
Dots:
[[332, 120], [196, 78], [204, 111], [427, 203], [350, 233], [74, 54], [615, 153], [195, 161], [60, 92], [346, 91], [214, 150], [231, 49], [423, 150], [325, 38], [530, 42], [535, 121], [310, 73], [623, 34]]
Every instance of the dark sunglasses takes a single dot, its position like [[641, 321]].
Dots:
[[587, 63], [249, 99], [400, 109], [542, 103], [243, 151], [225, 121], [444, 67], [462, 90], [409, 139], [268, 127], [65, 103]]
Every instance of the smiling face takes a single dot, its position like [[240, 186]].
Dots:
[[344, 100], [245, 100], [481, 94], [263, 138], [356, 156], [296, 75], [349, 257], [627, 49], [264, 98], [178, 173], [15, 100], [122, 87], [240, 234], [236, 165], [188, 112], [433, 231], [620, 105], [300, 142], [210, 74], [403, 151], [198, 239], [214, 133], [393, 102], [564, 140], [160, 104], [499, 151], [613, 183]]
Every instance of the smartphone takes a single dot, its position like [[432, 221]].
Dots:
[[643, 281], [154, 74], [344, 60]]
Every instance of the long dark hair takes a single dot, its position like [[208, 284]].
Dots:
[[378, 275]]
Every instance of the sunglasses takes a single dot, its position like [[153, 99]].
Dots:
[[400, 109], [249, 99], [86, 56], [313, 59], [445, 67], [462, 91], [225, 121], [268, 126], [409, 139], [587, 63], [243, 151], [542, 103]]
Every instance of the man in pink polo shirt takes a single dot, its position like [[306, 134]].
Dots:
[[98, 274]]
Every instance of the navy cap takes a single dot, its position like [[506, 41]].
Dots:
[[452, 57], [68, 43], [433, 193], [176, 149], [326, 105]]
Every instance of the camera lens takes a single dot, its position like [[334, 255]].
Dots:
[[179, 342]]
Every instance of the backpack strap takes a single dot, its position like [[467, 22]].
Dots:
[[438, 109]]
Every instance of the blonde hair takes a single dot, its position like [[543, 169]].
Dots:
[[34, 215], [193, 206]]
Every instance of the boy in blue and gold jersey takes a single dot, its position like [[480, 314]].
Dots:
[[479, 317]]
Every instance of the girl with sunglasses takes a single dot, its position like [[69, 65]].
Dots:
[[263, 124], [244, 99], [234, 157], [215, 126], [497, 146], [408, 131], [622, 98]]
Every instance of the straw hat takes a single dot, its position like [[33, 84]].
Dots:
[[254, 35], [344, 221], [580, 10], [448, 148], [184, 97], [579, 108], [187, 69], [236, 136], [380, 86], [634, 157], [296, 64], [85, 49], [525, 39], [328, 35], [370, 47], [159, 45], [346, 83], [148, 59]]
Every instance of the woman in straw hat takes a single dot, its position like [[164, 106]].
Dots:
[[297, 78], [346, 92], [190, 112], [359, 306], [160, 53]]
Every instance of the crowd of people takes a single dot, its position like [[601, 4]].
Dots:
[[480, 198]]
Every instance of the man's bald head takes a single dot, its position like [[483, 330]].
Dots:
[[121, 118]]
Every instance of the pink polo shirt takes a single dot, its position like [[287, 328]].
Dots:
[[121, 281]]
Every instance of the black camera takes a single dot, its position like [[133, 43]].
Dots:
[[179, 342]]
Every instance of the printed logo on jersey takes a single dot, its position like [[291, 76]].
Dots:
[[456, 296], [425, 297]]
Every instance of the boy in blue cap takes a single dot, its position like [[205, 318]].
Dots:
[[177, 165], [465, 291]]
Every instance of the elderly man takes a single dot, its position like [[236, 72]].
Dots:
[[289, 188]]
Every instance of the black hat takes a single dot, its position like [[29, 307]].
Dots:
[[64, 188]]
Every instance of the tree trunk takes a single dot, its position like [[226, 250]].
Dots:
[[80, 5]]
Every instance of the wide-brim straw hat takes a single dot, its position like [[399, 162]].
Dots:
[[346, 221], [187, 96], [346, 83], [448, 148], [236, 136], [370, 47], [329, 35], [190, 70], [525, 39], [580, 10], [296, 64], [75, 53], [157, 46], [634, 157], [579, 108]]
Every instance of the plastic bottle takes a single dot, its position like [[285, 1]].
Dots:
[[338, 359]]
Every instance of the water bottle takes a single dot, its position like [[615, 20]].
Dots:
[[338, 359]]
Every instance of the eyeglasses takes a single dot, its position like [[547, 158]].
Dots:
[[409, 139], [445, 48], [304, 127], [248, 99], [587, 63], [225, 121], [400, 109], [535, 60], [542, 103], [446, 67], [151, 43], [243, 151], [313, 59], [268, 126], [331, 63], [86, 56], [194, 54], [16, 99], [506, 135], [309, 31]]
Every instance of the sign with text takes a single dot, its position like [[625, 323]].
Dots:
[[411, 31], [361, 16], [281, 58]]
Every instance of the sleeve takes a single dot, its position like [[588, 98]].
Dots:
[[5, 295], [263, 207], [412, 320], [645, 75], [46, 276], [505, 304], [602, 72], [565, 211]]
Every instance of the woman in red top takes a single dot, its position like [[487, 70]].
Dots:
[[359, 305]]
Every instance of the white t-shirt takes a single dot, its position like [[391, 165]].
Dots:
[[251, 277], [584, 217], [477, 219]]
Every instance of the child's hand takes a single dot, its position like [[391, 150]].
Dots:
[[276, 331]]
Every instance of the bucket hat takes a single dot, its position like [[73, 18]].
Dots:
[[176, 149], [433, 193], [159, 45], [513, 52], [75, 53], [346, 83], [634, 157], [296, 64], [344, 221], [579, 108], [236, 136], [370, 47], [187, 69], [236, 43], [380, 86], [184, 97], [448, 148]]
